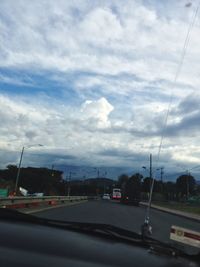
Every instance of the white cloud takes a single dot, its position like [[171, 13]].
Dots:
[[126, 55], [101, 27], [40, 122], [83, 132], [97, 110], [134, 40]]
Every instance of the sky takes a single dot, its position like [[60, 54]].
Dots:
[[92, 81]]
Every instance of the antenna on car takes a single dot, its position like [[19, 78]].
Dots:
[[146, 228]]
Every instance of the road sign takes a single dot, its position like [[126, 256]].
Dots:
[[3, 192], [185, 236]]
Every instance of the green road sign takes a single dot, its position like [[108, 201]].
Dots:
[[3, 192]]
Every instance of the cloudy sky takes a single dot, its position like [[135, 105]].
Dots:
[[92, 81]]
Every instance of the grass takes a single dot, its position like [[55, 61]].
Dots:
[[195, 209]]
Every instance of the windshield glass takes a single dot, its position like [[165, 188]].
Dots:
[[99, 110]]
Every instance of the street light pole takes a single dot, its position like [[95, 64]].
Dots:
[[151, 190], [187, 183], [19, 168], [52, 170], [150, 167], [97, 170], [20, 163], [188, 174], [161, 173], [68, 188], [69, 179]]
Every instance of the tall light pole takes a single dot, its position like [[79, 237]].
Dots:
[[151, 190], [69, 178], [20, 163], [97, 169], [161, 177], [104, 186], [52, 170], [187, 171], [150, 167], [161, 173]]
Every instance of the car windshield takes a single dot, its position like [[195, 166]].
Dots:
[[100, 99]]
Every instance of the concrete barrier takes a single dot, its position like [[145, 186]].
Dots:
[[26, 202]]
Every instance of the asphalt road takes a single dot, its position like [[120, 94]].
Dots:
[[114, 213]]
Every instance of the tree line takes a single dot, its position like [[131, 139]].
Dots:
[[184, 187], [44, 180], [51, 182]]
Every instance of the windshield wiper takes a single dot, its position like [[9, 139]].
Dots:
[[102, 230], [111, 230], [120, 234]]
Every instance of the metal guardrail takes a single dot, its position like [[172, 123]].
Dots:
[[14, 201]]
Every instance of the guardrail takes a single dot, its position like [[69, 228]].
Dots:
[[26, 202]]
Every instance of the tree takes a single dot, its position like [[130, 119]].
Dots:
[[12, 167], [158, 186], [169, 190], [185, 185], [122, 180], [133, 186], [146, 185]]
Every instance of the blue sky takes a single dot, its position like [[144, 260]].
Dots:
[[91, 81]]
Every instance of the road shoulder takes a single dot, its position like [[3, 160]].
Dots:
[[187, 215]]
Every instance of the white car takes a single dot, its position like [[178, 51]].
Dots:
[[106, 197]]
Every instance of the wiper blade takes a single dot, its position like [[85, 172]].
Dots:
[[100, 228], [95, 228], [11, 214], [106, 230], [120, 234]]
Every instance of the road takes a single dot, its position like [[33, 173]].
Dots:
[[114, 213]]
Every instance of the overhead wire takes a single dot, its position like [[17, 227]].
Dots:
[[180, 64], [178, 70]]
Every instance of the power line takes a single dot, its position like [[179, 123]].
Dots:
[[185, 46], [180, 64]]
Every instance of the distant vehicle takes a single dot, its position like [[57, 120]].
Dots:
[[106, 197], [116, 193]]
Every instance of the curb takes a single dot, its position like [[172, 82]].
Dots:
[[189, 216], [54, 207]]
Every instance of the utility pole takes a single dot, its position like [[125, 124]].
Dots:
[[187, 183], [69, 179], [68, 188], [52, 172], [150, 167], [151, 191], [104, 186], [20, 163], [146, 228], [19, 168], [161, 173], [152, 183]]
